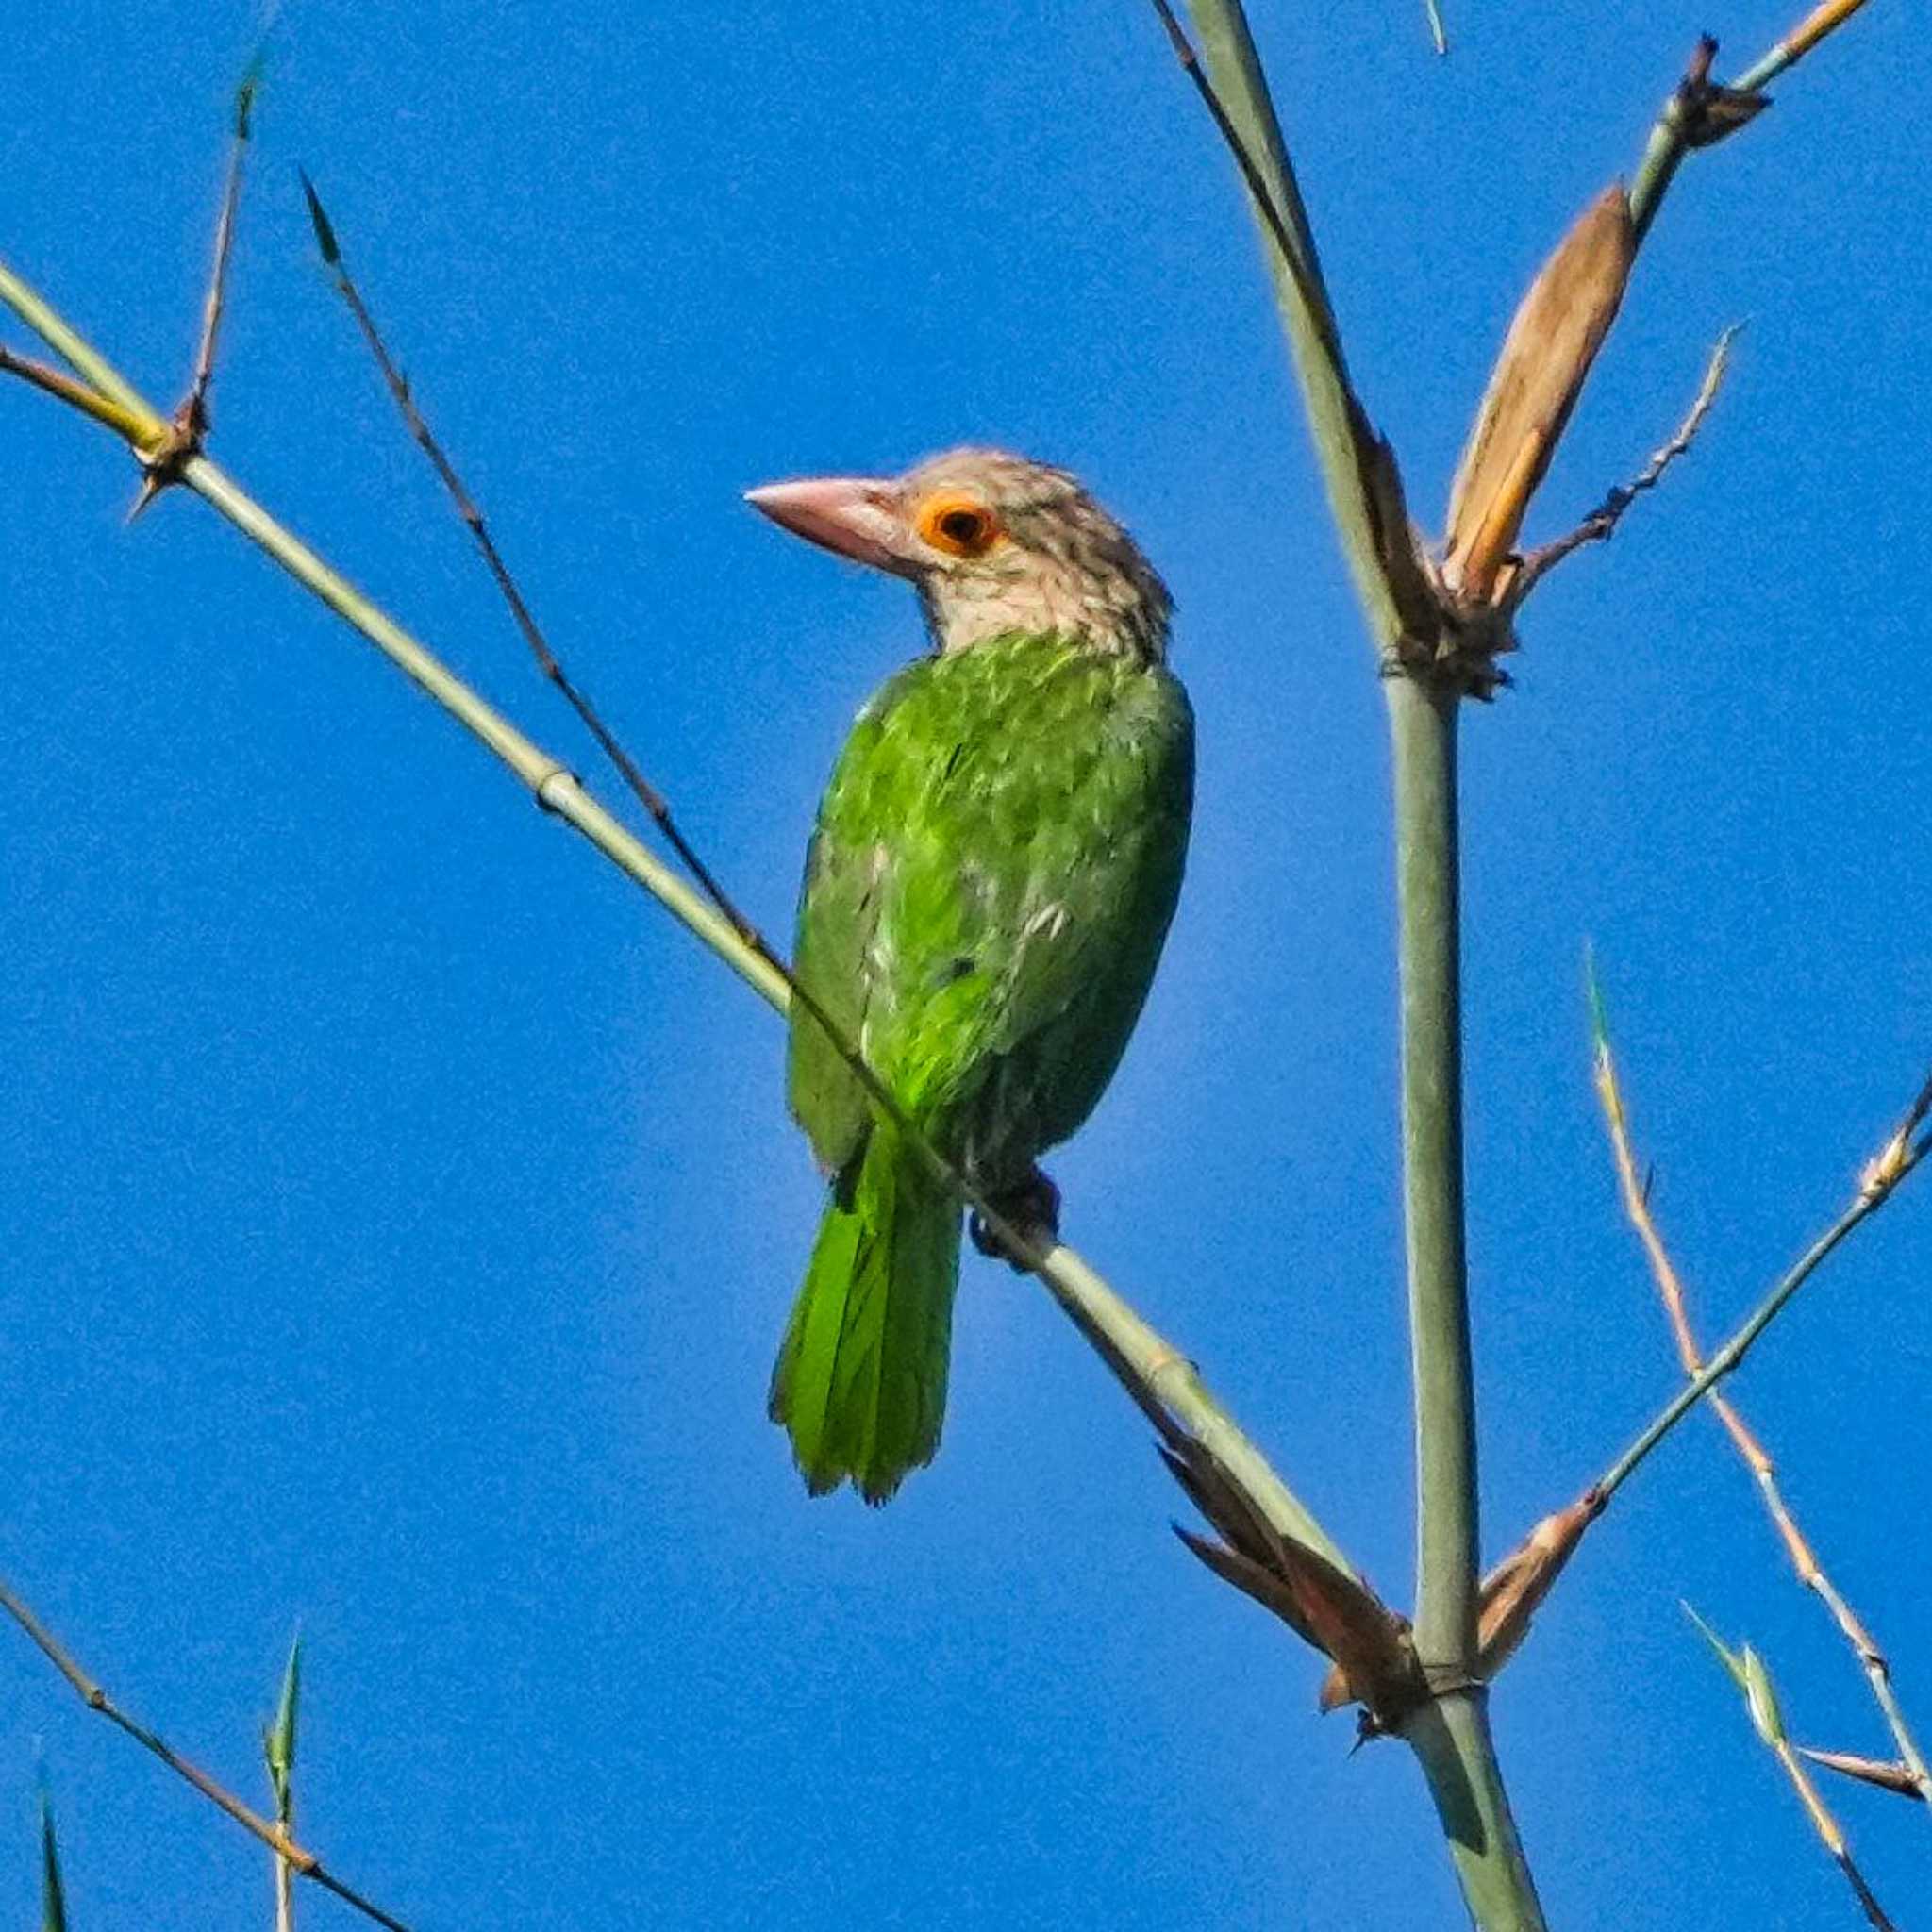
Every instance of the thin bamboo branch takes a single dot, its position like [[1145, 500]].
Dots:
[[1152, 1370], [70, 390], [1748, 1672], [278, 1752], [1750, 1447], [1601, 524], [193, 415], [548, 664], [303, 1860], [1699, 114], [147, 425], [1905, 1150]]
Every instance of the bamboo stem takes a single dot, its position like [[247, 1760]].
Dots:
[[1422, 731], [1450, 1734], [1240, 91], [1451, 1739]]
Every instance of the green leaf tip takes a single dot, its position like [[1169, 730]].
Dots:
[[278, 1741], [53, 1894], [1760, 1700], [1599, 1016], [1725, 1655], [324, 230]]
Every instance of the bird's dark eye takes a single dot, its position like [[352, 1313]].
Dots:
[[959, 523]]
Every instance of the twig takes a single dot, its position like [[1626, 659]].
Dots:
[[1635, 1194], [131, 426], [189, 428], [646, 794], [1700, 113], [1747, 1670], [1879, 1180], [194, 409], [303, 1860], [1600, 524], [1296, 243]]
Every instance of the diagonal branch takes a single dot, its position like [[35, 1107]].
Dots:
[[298, 1857], [1636, 1194], [1601, 524], [1909, 1143], [129, 425], [646, 792]]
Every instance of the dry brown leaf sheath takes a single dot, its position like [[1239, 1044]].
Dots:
[[1553, 339]]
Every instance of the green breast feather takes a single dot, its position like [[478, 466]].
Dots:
[[995, 867]]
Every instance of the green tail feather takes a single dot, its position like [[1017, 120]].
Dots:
[[860, 1383]]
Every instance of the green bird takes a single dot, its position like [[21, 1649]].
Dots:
[[995, 863]]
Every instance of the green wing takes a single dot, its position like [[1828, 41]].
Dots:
[[995, 864]]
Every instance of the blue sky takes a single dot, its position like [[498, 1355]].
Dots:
[[401, 1213]]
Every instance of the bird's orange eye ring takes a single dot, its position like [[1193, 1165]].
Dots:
[[959, 525]]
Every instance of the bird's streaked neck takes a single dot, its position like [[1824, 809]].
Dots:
[[1112, 616]]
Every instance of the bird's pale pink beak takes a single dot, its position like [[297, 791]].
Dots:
[[854, 516]]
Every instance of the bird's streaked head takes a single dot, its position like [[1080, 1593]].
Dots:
[[994, 543]]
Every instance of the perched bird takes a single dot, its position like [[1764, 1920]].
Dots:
[[995, 862]]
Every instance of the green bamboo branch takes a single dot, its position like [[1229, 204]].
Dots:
[[1699, 114], [1910, 1142], [1357, 469], [1157, 1376], [278, 1752]]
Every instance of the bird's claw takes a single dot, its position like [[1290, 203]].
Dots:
[[1032, 1210]]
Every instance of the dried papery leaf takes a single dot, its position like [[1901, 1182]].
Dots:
[[1252, 1579], [1328, 1608], [1888, 1774], [1512, 1591], [1546, 357], [1397, 548]]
